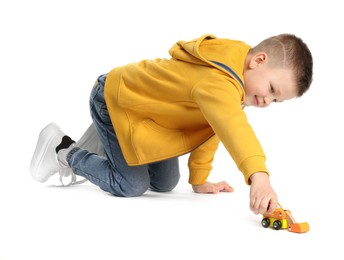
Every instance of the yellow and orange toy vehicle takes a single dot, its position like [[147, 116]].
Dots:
[[282, 219]]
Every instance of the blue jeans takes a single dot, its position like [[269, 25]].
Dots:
[[112, 173]]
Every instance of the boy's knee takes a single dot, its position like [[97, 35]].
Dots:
[[130, 189], [134, 190], [161, 188], [165, 186]]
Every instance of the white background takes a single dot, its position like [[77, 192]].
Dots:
[[51, 52]]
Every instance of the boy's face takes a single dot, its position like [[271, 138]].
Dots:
[[265, 84]]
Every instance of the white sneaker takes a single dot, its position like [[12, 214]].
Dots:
[[44, 162], [88, 141]]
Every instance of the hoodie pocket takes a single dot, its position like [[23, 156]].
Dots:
[[153, 142]]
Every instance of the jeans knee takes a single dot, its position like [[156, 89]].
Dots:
[[165, 186], [130, 189], [135, 190]]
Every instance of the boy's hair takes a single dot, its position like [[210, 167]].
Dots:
[[289, 51]]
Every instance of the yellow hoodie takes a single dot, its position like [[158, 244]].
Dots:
[[164, 108]]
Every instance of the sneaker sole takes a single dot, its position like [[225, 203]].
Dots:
[[46, 134]]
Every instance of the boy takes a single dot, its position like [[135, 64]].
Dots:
[[146, 114]]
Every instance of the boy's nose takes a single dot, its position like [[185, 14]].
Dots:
[[267, 101]]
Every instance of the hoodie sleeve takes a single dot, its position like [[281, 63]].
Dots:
[[219, 98], [200, 161]]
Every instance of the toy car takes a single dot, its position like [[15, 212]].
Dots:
[[283, 219]]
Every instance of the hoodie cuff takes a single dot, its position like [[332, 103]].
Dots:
[[252, 165], [198, 176]]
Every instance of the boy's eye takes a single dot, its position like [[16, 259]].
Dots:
[[272, 89]]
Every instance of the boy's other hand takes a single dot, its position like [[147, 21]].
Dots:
[[262, 197], [209, 187]]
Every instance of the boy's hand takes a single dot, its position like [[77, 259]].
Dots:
[[262, 197], [212, 187]]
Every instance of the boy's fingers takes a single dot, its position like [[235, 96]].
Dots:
[[264, 205], [272, 206], [223, 186], [228, 188]]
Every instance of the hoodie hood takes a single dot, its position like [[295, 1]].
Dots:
[[224, 54]]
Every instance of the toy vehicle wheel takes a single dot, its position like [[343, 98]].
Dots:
[[265, 222], [277, 224]]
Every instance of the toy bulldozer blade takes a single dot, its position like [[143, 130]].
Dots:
[[296, 227], [299, 227]]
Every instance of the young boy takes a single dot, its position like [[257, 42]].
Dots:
[[146, 114]]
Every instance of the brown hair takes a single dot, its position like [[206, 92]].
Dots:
[[287, 50]]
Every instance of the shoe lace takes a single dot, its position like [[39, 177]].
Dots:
[[64, 173]]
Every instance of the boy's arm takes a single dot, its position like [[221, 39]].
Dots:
[[219, 99], [200, 161]]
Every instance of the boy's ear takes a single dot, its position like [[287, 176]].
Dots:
[[258, 59]]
